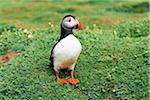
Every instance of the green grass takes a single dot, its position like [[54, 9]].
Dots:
[[108, 66], [16, 39], [136, 29], [136, 8], [114, 62]]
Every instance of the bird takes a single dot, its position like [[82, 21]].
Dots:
[[66, 51]]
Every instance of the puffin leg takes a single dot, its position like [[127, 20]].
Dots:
[[72, 80], [60, 80]]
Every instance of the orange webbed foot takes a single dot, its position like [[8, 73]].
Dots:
[[62, 80], [73, 81]]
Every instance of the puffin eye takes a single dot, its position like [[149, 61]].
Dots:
[[69, 20]]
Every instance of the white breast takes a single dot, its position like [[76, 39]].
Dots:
[[66, 52]]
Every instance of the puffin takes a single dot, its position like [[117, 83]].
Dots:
[[66, 51]]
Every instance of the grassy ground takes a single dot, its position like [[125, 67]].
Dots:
[[113, 64]]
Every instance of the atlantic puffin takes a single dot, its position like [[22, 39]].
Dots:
[[66, 51]]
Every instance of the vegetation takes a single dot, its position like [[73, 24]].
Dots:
[[114, 60], [136, 8], [133, 29]]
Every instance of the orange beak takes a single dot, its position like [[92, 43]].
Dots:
[[80, 27]]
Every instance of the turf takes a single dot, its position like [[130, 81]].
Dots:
[[114, 64]]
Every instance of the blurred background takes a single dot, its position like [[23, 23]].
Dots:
[[38, 13]]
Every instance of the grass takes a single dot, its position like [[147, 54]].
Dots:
[[136, 8], [32, 15], [136, 29], [113, 63]]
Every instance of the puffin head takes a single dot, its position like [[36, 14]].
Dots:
[[70, 22]]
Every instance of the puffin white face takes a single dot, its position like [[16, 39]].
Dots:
[[71, 22]]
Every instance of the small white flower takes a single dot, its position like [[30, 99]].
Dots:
[[25, 30], [51, 25], [114, 32], [30, 36], [114, 90]]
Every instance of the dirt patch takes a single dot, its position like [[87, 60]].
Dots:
[[8, 56], [110, 98]]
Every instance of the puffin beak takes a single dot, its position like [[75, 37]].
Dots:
[[78, 25]]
